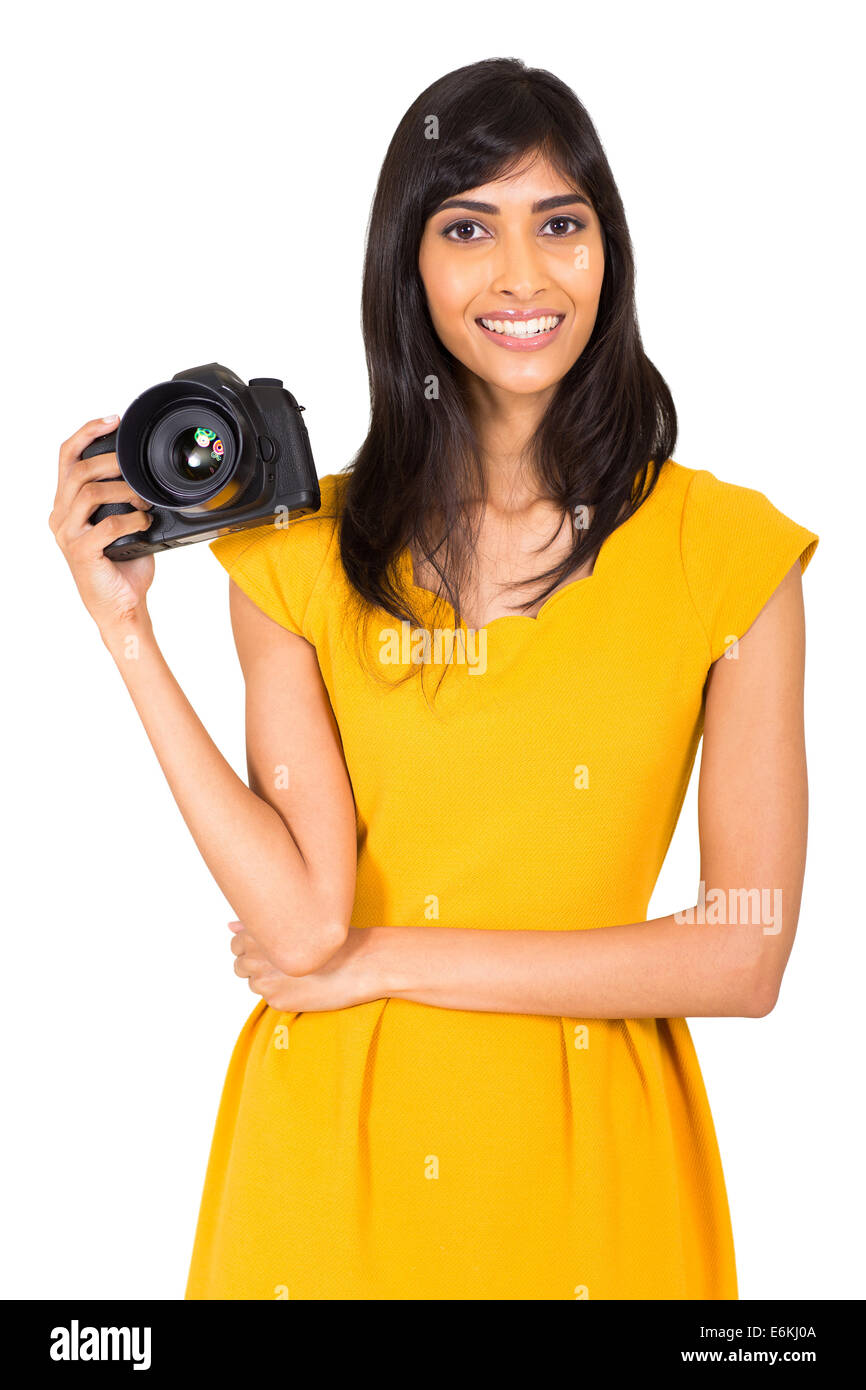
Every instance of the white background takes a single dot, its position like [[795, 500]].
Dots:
[[191, 182]]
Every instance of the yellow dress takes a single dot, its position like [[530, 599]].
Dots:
[[395, 1150]]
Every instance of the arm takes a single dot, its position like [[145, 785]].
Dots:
[[283, 849], [752, 813]]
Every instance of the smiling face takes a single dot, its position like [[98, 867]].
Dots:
[[512, 272]]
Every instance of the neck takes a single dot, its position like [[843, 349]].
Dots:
[[504, 423]]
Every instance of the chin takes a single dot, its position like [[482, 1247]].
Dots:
[[522, 383]]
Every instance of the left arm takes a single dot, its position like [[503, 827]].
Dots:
[[752, 806]]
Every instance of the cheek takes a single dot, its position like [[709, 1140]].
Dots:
[[447, 310], [449, 285], [585, 280]]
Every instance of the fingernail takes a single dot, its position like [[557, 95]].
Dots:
[[110, 419]]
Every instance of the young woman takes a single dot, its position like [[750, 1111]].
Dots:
[[476, 683]]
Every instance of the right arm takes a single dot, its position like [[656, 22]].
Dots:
[[282, 850]]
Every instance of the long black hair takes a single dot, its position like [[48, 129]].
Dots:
[[611, 416]]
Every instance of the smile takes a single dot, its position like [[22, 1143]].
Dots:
[[522, 334]]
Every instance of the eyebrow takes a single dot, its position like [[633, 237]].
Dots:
[[561, 200]]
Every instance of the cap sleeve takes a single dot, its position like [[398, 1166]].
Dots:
[[736, 549], [278, 566]]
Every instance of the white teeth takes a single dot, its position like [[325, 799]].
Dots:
[[522, 328]]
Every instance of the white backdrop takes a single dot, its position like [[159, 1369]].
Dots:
[[190, 182]]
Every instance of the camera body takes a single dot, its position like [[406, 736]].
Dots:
[[212, 455]]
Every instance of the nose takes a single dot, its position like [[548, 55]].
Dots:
[[519, 269]]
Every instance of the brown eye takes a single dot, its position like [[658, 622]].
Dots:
[[461, 227], [578, 226]]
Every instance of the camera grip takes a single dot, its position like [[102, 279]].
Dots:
[[105, 444]]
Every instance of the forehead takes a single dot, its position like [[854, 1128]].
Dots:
[[533, 179]]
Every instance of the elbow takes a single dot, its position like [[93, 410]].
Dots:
[[752, 982], [759, 990], [762, 999], [307, 955]]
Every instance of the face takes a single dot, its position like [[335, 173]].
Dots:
[[512, 273]]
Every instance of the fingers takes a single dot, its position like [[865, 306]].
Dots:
[[247, 965], [87, 539], [259, 974], [81, 487], [250, 962], [263, 978], [91, 495], [70, 449], [102, 466], [242, 943], [250, 965]]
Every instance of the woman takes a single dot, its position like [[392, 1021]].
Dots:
[[469, 1075]]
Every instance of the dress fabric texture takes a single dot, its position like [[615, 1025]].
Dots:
[[395, 1150]]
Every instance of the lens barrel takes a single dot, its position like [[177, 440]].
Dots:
[[181, 446]]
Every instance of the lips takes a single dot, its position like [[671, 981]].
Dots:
[[521, 330], [515, 315]]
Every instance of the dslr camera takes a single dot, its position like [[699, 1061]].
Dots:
[[212, 455]]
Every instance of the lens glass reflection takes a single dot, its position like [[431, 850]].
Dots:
[[197, 453]]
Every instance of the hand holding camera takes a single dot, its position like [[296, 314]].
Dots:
[[113, 594], [192, 459]]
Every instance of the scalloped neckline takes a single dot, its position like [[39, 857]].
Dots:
[[588, 584], [548, 603]]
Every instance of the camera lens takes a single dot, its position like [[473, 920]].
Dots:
[[188, 447], [190, 453], [197, 453]]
